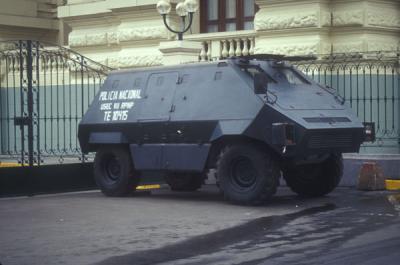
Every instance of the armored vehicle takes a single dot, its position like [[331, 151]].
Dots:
[[249, 120]]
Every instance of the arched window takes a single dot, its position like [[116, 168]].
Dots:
[[227, 15]]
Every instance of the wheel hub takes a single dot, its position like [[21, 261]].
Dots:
[[243, 172], [113, 169]]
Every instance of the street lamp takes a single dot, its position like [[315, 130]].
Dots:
[[183, 9]]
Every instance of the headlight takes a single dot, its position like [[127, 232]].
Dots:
[[369, 131]]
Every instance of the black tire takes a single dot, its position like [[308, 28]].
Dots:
[[184, 181], [247, 174], [315, 180], [114, 172]]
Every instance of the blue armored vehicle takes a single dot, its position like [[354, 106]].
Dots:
[[248, 120]]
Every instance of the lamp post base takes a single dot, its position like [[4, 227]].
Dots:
[[179, 52]]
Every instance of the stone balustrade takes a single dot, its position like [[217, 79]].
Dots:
[[224, 44]]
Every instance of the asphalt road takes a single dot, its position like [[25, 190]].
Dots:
[[346, 227]]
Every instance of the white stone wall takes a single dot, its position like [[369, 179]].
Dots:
[[123, 33], [31, 19], [323, 26], [117, 33]]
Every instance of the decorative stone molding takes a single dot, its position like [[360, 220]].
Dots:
[[143, 33], [387, 18], [348, 47], [125, 61], [109, 38], [326, 19], [382, 46], [112, 38], [94, 39], [296, 49], [77, 40], [263, 21], [326, 48], [348, 18]]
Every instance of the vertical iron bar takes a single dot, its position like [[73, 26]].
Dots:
[[45, 67], [351, 87], [378, 120], [358, 90], [364, 96], [76, 104], [370, 93], [57, 106], [70, 108], [29, 70], [22, 102], [83, 99], [51, 105], [8, 68], [38, 103], [64, 99], [385, 98]]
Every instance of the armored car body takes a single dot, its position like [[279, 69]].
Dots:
[[248, 120]]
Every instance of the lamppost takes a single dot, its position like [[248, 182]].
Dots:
[[183, 9]]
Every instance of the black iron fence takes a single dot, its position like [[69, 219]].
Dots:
[[370, 84], [45, 90]]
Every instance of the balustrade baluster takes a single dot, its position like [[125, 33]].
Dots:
[[224, 52], [238, 51], [231, 47]]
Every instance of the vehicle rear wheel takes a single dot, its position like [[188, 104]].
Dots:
[[314, 180], [114, 172], [247, 174], [184, 181]]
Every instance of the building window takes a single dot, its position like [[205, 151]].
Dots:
[[227, 15]]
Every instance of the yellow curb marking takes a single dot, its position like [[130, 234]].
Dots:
[[9, 164], [393, 184], [148, 187]]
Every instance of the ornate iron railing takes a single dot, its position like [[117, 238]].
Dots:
[[44, 92], [370, 84]]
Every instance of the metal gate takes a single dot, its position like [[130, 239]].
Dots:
[[44, 92], [370, 85]]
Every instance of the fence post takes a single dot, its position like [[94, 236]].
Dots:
[[29, 70], [398, 93], [82, 62]]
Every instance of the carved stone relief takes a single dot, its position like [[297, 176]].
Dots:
[[144, 33], [325, 19], [108, 38], [268, 22], [135, 61], [382, 46], [387, 18], [296, 49], [348, 18], [348, 47]]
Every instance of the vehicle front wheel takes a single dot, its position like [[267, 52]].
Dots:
[[314, 180], [247, 174], [114, 172]]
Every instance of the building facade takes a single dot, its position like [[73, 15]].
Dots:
[[127, 33]]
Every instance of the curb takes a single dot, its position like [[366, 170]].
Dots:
[[393, 184]]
